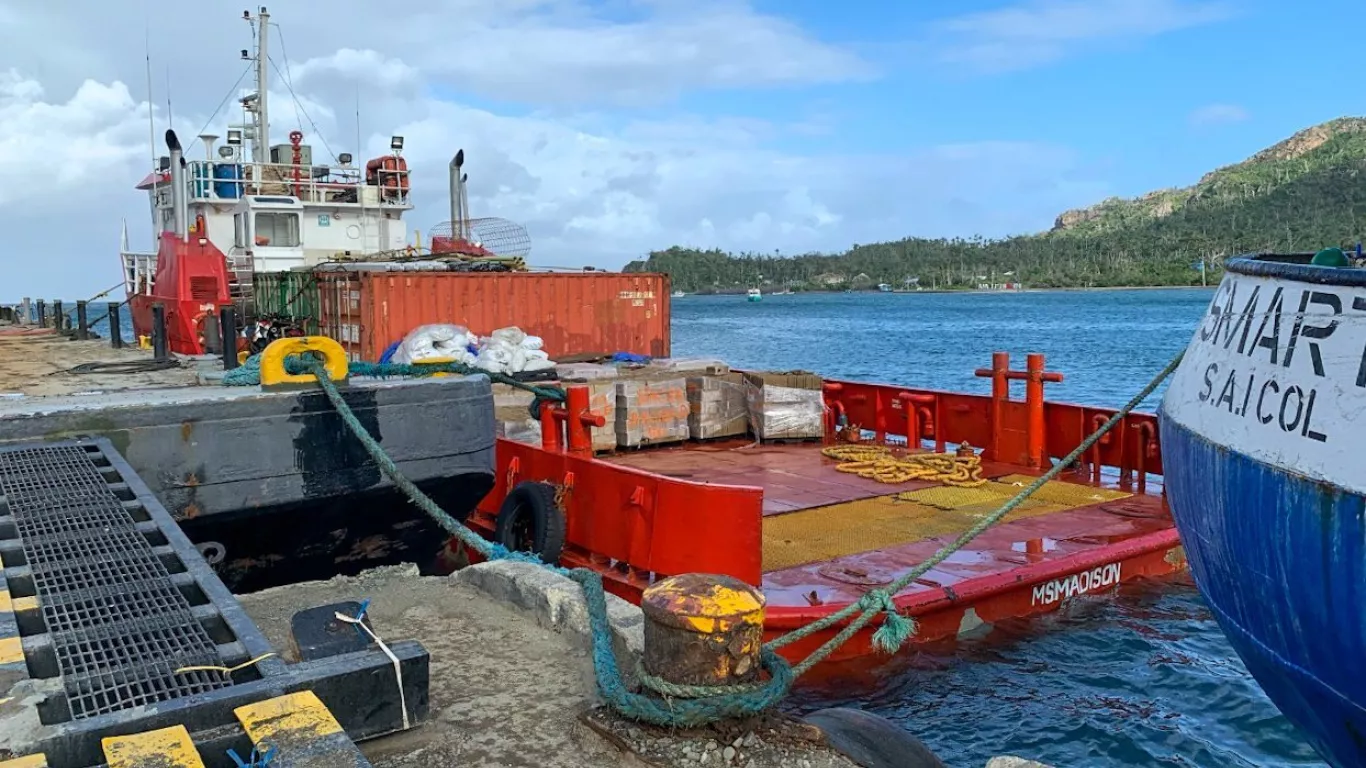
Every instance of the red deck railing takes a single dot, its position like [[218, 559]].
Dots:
[[634, 526]]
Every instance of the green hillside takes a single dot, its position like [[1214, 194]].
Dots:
[[1304, 193]]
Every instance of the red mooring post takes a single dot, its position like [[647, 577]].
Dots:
[[1035, 376], [550, 428], [580, 420], [1000, 395]]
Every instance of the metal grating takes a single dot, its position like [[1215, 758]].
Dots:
[[96, 515], [118, 624]]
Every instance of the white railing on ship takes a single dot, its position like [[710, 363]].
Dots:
[[331, 184], [139, 271]]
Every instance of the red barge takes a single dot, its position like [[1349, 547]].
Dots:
[[814, 539]]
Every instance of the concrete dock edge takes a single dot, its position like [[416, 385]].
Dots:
[[556, 602]]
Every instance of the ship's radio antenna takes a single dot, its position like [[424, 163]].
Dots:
[[151, 137], [170, 111], [151, 123]]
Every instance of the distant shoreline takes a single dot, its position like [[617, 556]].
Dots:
[[976, 291]]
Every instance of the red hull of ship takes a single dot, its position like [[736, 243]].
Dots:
[[191, 284]]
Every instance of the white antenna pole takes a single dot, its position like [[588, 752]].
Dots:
[[151, 124], [262, 145], [151, 146], [170, 111]]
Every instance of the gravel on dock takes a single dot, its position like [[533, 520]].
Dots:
[[34, 366], [507, 691]]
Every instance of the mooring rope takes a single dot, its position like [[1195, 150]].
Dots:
[[249, 374], [692, 705]]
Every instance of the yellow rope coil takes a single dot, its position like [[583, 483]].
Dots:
[[876, 462]]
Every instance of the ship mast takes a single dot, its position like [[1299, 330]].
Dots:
[[260, 140]]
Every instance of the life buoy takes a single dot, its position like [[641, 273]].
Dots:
[[530, 521], [390, 174], [197, 323]]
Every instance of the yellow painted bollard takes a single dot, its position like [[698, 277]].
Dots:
[[275, 376], [703, 629]]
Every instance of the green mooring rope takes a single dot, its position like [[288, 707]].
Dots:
[[249, 374], [690, 705]]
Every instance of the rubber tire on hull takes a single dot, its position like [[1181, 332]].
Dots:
[[536, 500]]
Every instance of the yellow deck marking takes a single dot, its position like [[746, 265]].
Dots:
[[287, 720], [866, 525], [11, 650], [22, 604], [1062, 492], [169, 747], [27, 761], [6, 604]]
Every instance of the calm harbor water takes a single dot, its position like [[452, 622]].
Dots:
[[1146, 679]]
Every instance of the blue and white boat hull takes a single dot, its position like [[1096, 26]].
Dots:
[[1263, 433]]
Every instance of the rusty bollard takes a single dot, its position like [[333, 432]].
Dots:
[[703, 629]]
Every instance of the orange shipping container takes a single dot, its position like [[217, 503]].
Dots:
[[575, 313]]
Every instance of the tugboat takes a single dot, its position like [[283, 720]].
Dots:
[[1263, 434]]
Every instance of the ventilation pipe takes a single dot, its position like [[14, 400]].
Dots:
[[465, 230], [180, 204], [457, 200]]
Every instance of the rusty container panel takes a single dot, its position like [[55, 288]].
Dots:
[[339, 312], [574, 313]]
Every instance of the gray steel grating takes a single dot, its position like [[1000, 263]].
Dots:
[[95, 515], [119, 626]]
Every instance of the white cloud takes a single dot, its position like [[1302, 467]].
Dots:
[[592, 184], [1041, 31], [1218, 114]]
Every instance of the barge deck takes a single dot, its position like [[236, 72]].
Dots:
[[829, 536]]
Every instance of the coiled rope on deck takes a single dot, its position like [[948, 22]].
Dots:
[[876, 462], [690, 705]]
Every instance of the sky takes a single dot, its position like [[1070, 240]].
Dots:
[[612, 128]]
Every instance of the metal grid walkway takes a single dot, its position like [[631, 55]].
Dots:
[[118, 624]]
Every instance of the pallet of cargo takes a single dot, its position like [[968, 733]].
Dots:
[[118, 641]]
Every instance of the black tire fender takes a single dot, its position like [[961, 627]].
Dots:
[[532, 503]]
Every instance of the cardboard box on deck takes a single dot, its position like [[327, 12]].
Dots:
[[651, 411], [717, 406], [785, 406]]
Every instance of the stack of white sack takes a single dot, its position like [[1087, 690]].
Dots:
[[509, 350], [436, 342]]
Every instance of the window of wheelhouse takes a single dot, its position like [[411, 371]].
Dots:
[[277, 229]]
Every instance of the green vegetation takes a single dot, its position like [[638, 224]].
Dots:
[[1302, 194]]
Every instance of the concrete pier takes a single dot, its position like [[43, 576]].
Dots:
[[512, 682]]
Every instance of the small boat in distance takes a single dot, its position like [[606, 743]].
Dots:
[[1262, 443], [754, 294], [677, 294]]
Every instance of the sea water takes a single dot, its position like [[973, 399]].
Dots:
[[1143, 678]]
